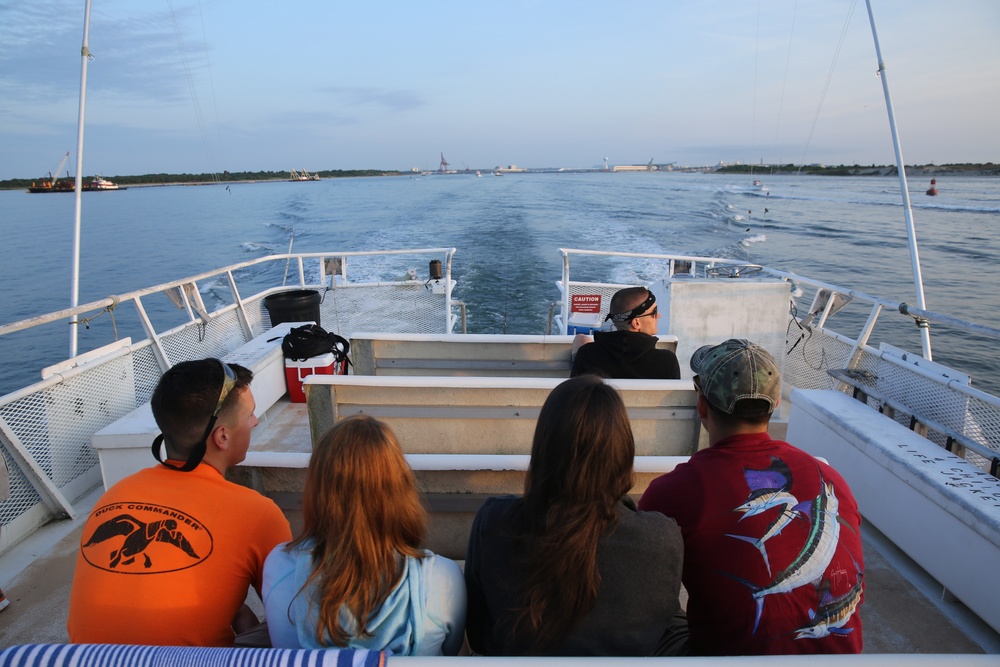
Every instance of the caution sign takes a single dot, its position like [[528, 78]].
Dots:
[[586, 303]]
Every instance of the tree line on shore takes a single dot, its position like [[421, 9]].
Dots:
[[965, 168], [224, 177]]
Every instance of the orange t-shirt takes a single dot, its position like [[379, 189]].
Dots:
[[166, 558]]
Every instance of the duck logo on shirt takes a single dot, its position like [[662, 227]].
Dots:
[[142, 538]]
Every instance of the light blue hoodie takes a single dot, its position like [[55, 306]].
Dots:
[[423, 615]]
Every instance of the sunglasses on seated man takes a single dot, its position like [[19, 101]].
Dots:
[[652, 313]]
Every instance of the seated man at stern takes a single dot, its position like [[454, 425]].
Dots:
[[630, 350], [772, 541], [168, 554]]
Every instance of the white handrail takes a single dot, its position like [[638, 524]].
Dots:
[[163, 287], [895, 306]]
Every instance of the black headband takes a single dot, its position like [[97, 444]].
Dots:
[[630, 315]]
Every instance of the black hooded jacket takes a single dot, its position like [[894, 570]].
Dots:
[[626, 355]]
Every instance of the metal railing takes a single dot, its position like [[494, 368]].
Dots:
[[940, 401], [45, 428]]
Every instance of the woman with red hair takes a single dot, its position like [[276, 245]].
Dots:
[[357, 576]]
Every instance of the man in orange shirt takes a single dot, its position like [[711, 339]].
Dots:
[[168, 553]]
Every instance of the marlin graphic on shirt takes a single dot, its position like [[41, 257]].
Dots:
[[814, 557], [785, 517], [833, 613], [769, 488]]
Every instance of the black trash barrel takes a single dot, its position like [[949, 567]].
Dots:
[[300, 305]]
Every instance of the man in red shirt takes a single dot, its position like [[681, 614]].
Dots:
[[772, 541], [168, 554]]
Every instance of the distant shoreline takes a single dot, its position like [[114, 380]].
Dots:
[[930, 171]]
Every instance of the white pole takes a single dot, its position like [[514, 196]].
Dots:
[[74, 299], [925, 334]]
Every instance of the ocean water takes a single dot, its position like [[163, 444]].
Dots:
[[848, 231]]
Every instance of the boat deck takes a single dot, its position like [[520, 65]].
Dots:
[[903, 610], [898, 616]]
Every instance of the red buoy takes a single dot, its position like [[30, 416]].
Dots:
[[933, 190]]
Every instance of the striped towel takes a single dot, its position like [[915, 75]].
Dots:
[[122, 655]]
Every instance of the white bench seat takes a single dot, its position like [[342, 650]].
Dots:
[[943, 511]]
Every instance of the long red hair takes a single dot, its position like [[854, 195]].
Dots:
[[362, 514]]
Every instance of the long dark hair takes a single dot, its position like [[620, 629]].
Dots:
[[581, 466]]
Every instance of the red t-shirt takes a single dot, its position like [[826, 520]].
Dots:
[[772, 549], [167, 557]]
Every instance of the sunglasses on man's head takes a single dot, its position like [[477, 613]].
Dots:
[[196, 455], [228, 382]]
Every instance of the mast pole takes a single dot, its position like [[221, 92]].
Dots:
[[74, 299], [925, 334]]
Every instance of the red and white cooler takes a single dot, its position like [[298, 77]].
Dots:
[[296, 371]]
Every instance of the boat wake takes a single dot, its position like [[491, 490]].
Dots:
[[750, 240], [259, 247], [915, 203]]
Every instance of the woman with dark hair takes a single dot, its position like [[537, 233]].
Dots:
[[356, 576], [571, 568]]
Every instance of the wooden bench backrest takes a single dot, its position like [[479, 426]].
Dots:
[[494, 415], [466, 354]]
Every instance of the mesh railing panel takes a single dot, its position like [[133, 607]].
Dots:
[[221, 335], [22, 494], [928, 399], [147, 372], [257, 318], [55, 423], [981, 422], [925, 398], [808, 358], [392, 308]]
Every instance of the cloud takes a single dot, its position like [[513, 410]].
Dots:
[[134, 56], [391, 100], [301, 121]]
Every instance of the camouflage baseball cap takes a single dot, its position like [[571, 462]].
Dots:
[[734, 371]]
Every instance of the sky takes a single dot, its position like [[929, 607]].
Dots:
[[204, 86]]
